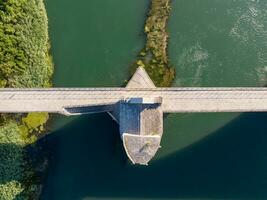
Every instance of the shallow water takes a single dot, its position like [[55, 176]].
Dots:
[[208, 156]]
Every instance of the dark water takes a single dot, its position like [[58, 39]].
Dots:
[[204, 156]]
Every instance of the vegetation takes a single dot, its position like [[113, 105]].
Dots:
[[24, 62], [154, 57], [35, 121], [13, 166], [24, 59]]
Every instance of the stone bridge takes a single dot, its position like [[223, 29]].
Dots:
[[138, 108]]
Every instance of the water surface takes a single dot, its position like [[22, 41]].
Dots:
[[208, 156]]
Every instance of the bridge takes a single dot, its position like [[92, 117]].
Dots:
[[138, 108]]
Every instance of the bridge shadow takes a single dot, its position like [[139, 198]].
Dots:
[[87, 160]]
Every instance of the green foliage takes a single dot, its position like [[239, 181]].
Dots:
[[154, 57], [26, 134], [13, 164], [24, 58], [14, 167], [35, 121], [11, 190], [24, 62]]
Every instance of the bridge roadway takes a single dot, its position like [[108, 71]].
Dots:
[[55, 100], [138, 108]]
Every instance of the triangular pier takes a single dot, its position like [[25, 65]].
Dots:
[[141, 121]]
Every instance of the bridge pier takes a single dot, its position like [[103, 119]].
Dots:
[[141, 121]]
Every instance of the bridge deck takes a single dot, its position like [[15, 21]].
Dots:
[[174, 99], [138, 108]]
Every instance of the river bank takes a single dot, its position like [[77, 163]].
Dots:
[[154, 57], [24, 62]]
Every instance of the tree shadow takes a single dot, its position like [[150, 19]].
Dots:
[[15, 172], [12, 160], [88, 160]]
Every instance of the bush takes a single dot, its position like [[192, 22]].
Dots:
[[35, 121], [11, 190]]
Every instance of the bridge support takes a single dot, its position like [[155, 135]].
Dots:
[[141, 121]]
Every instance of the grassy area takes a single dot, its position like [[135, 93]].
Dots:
[[154, 57], [24, 62]]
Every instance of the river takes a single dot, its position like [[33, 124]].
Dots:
[[207, 156]]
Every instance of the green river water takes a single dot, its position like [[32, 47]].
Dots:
[[204, 156]]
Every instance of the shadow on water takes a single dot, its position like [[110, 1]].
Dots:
[[87, 160]]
